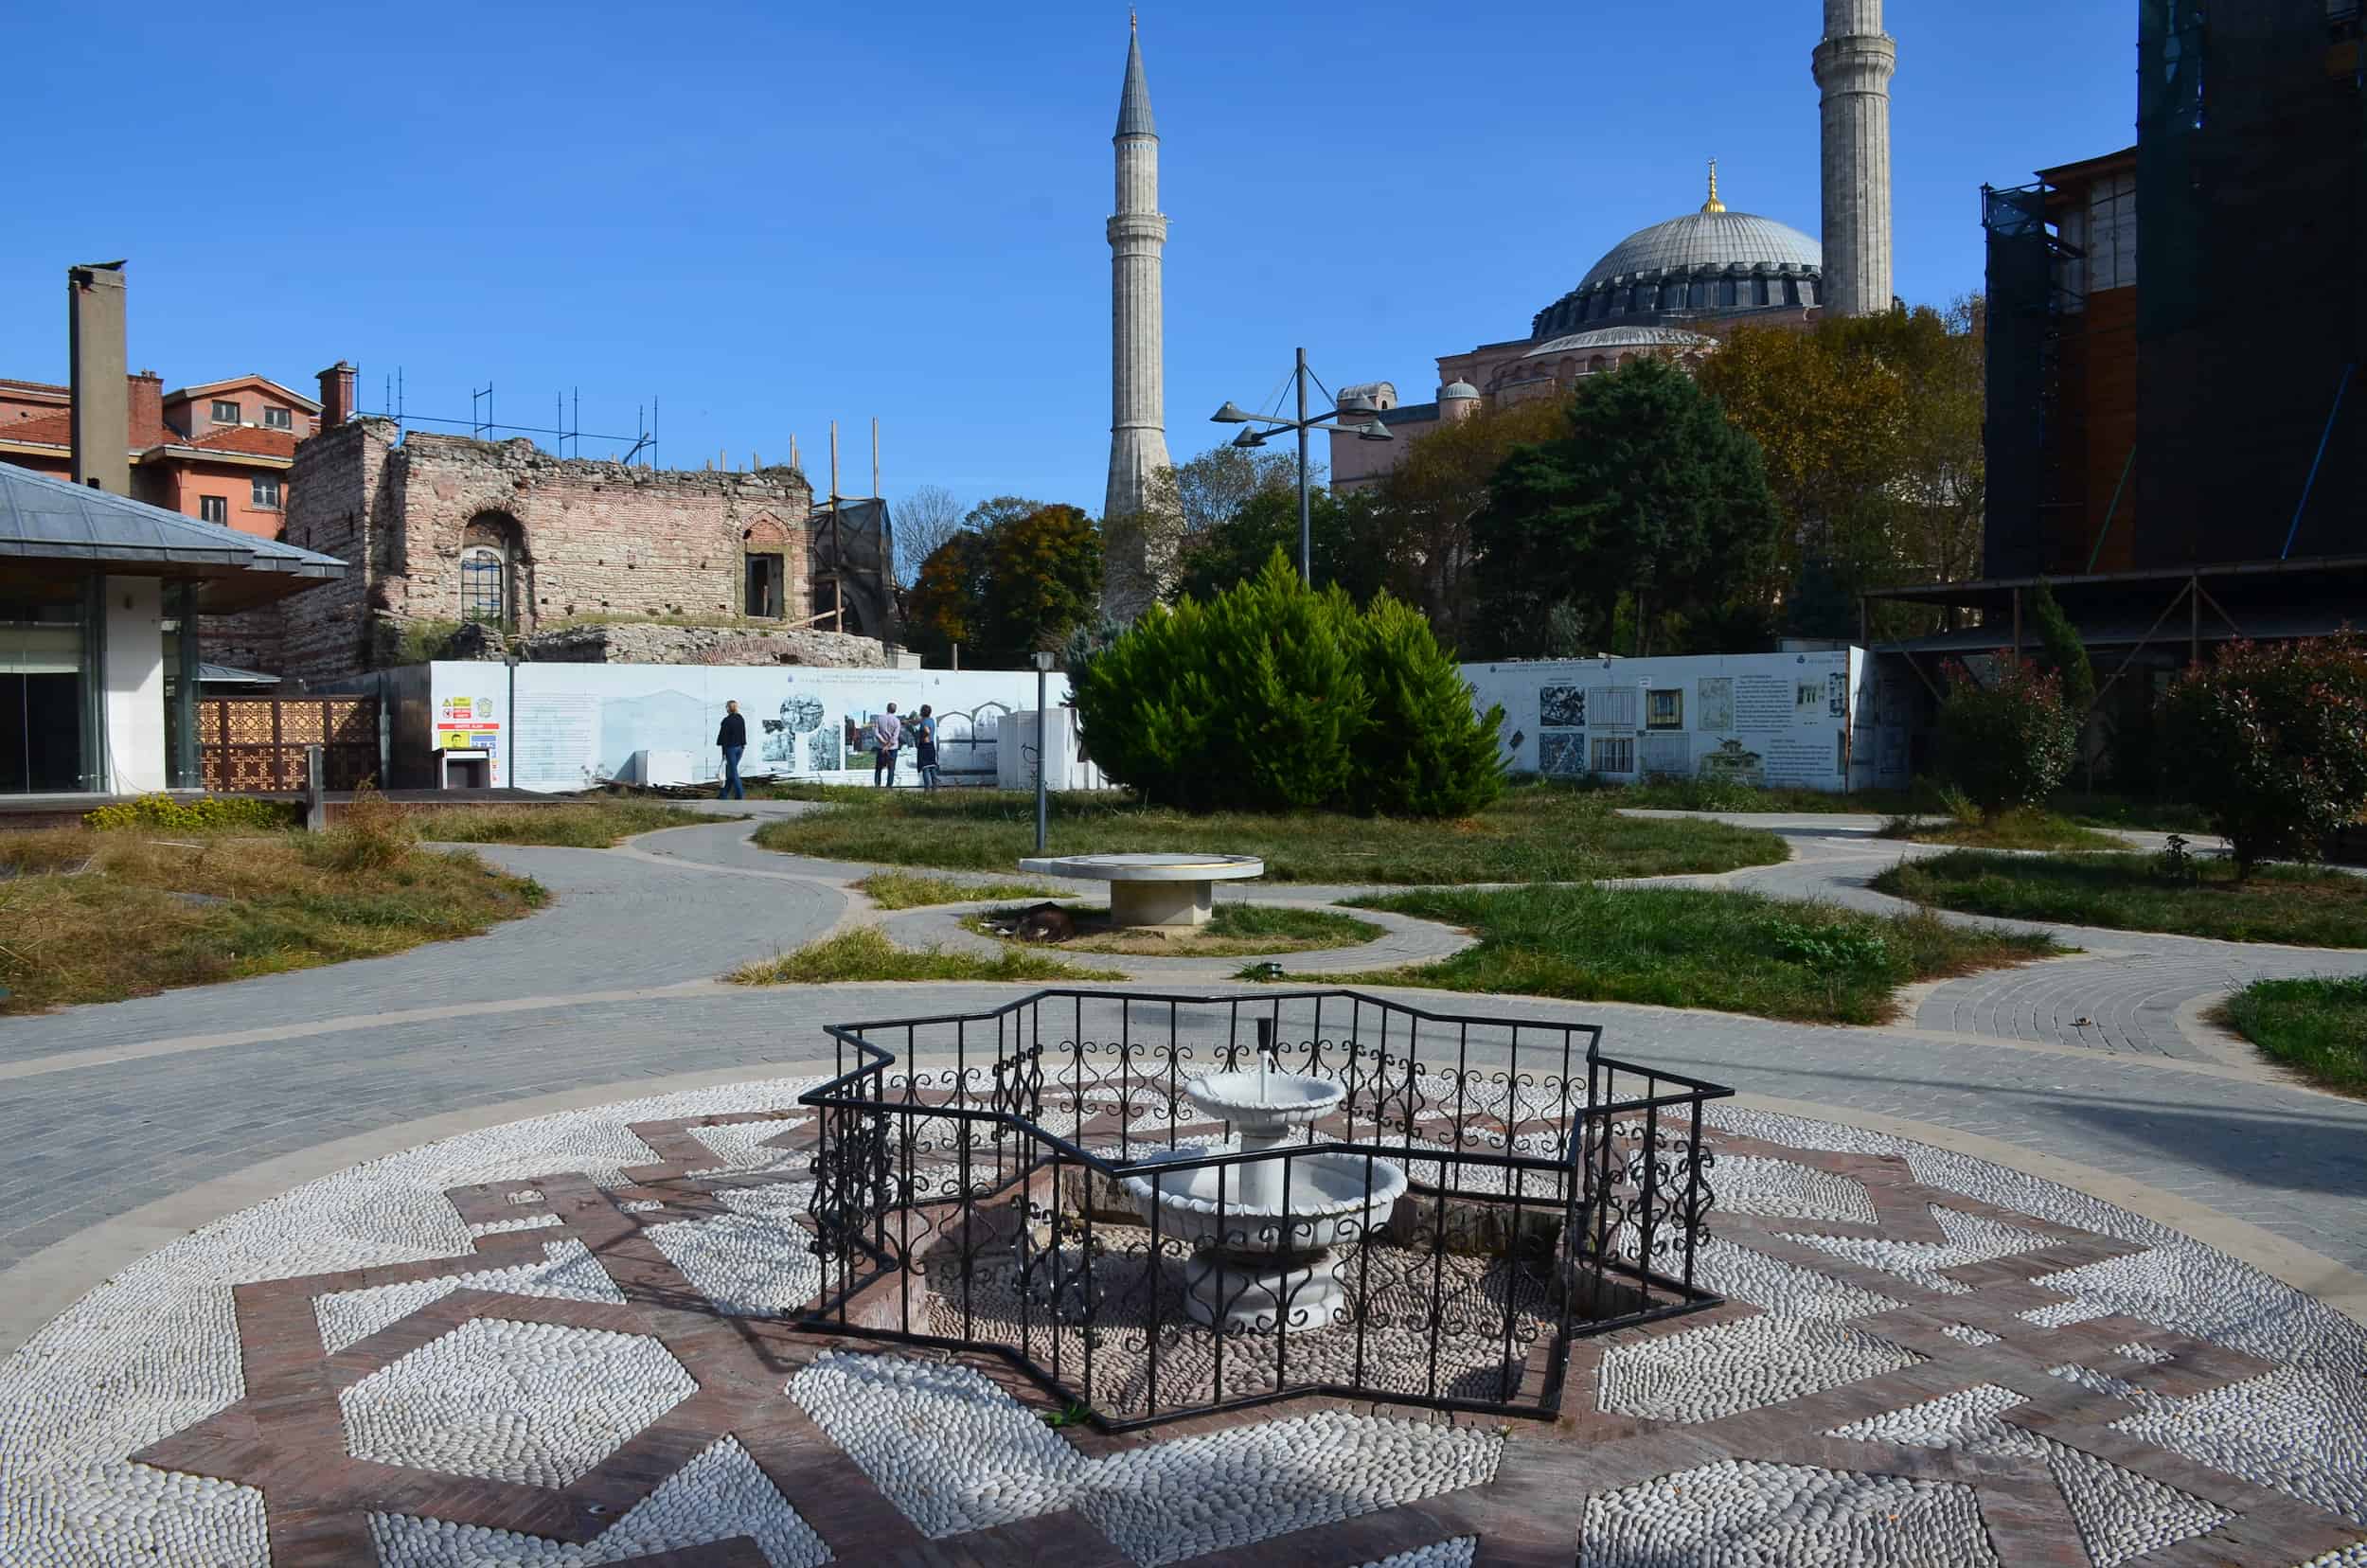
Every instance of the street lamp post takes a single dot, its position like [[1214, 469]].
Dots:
[[1338, 418], [1043, 665]]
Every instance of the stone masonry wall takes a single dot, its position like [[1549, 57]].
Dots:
[[644, 643], [585, 538]]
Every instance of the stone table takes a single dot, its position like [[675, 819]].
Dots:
[[1153, 890]]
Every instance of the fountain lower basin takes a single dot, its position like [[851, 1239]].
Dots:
[[1263, 1230]]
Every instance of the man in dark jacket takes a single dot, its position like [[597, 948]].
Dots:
[[732, 738]]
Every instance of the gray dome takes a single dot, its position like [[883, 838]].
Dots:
[[1457, 391], [1711, 263], [1719, 239], [1600, 338]]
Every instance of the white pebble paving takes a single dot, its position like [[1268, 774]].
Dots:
[[719, 1494], [2120, 1514], [1706, 1373], [1971, 1240], [536, 1403], [2301, 1432], [740, 1147], [956, 1453], [752, 1261], [1458, 1553], [1745, 1275], [1970, 1335], [567, 1272], [1744, 1514], [524, 1223], [1751, 1183], [529, 1403]]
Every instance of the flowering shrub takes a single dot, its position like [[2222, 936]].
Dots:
[[206, 813], [2272, 743], [2010, 743]]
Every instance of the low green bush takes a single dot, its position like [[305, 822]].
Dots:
[[1272, 697], [2010, 742], [205, 814], [2272, 744]]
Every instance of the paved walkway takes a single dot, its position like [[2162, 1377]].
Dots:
[[161, 1103], [2169, 1374]]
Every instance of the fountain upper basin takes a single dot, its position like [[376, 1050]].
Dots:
[[1263, 1102]]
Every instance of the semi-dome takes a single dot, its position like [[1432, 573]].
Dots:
[[1710, 263], [1457, 391], [1601, 339]]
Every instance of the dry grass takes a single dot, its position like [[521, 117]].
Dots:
[[91, 916], [2023, 830], [915, 890], [865, 953], [587, 825]]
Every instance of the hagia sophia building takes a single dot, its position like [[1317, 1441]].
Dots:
[[1667, 289]]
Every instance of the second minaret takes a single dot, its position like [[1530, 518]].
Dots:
[[1138, 237], [1853, 66]]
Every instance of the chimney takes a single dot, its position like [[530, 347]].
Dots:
[[101, 418], [147, 394], [337, 393]]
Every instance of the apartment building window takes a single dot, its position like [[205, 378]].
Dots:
[[277, 419], [267, 491], [225, 413], [213, 509]]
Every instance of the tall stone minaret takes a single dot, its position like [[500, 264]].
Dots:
[[1138, 418], [1852, 65]]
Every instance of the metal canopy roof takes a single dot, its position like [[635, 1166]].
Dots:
[[48, 520]]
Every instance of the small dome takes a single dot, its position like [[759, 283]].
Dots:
[[1457, 392]]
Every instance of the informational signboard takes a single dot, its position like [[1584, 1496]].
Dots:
[[578, 724], [1806, 719]]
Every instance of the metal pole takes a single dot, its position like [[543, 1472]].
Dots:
[[1306, 533], [1043, 663]]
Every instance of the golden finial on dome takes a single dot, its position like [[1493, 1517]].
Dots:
[[1713, 205]]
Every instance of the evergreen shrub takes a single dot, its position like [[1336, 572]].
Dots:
[[2009, 743], [2272, 743], [1271, 697]]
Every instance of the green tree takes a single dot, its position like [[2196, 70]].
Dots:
[[1872, 432], [1649, 492], [1205, 492], [1042, 581], [2008, 742], [946, 604], [2271, 742], [1274, 696], [1418, 526], [1236, 549], [1020, 577], [2063, 656]]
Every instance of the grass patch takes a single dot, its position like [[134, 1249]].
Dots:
[[592, 825], [1234, 931], [91, 916], [2128, 812], [912, 890], [2023, 830], [2319, 1027], [1718, 795], [2131, 892], [1537, 832], [865, 953], [1730, 951]]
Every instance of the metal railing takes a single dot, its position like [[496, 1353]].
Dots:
[[980, 1183]]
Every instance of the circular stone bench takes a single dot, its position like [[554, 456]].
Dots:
[[1153, 890]]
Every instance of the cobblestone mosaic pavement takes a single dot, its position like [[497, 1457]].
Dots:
[[489, 1350], [1989, 1369]]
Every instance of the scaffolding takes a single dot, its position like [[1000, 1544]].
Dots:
[[2029, 487], [566, 429]]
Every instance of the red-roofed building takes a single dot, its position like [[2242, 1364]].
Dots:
[[219, 451]]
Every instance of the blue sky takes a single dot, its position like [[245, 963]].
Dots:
[[768, 217]]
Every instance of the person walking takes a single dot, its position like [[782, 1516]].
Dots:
[[925, 746], [731, 736], [887, 733]]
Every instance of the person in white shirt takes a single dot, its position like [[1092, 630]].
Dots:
[[887, 733]]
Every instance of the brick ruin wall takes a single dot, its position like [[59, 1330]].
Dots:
[[585, 537]]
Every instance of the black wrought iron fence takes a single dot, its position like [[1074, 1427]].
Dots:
[[1036, 1182]]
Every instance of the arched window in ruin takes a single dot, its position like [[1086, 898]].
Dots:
[[490, 555], [764, 569]]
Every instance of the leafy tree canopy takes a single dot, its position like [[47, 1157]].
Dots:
[[1648, 493], [1020, 575], [1236, 549]]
